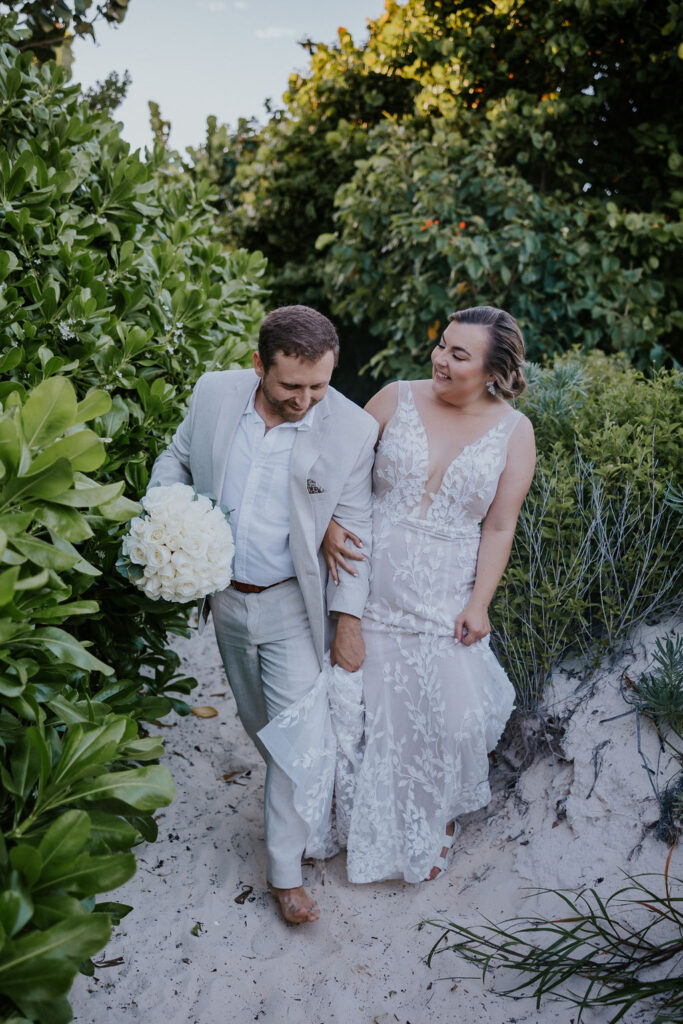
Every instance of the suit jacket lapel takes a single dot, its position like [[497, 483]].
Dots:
[[307, 448], [228, 416]]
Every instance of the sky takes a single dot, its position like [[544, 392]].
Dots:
[[201, 57]]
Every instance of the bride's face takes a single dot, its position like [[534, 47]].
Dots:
[[458, 361]]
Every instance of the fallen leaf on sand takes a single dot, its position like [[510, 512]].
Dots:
[[198, 928], [228, 776], [116, 962], [247, 891], [204, 711]]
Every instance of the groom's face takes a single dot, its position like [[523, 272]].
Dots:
[[291, 386]]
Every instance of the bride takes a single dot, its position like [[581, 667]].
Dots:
[[453, 465]]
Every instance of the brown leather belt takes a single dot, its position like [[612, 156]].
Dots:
[[251, 588]]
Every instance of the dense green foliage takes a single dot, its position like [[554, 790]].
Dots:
[[597, 549], [115, 294], [411, 241], [48, 27], [550, 129]]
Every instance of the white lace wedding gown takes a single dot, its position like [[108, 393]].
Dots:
[[433, 708]]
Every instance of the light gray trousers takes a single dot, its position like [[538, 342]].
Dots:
[[270, 660]]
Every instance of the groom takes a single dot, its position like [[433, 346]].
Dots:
[[284, 452]]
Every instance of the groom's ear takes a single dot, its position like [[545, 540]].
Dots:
[[258, 365]]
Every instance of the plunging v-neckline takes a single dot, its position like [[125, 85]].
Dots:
[[433, 494]]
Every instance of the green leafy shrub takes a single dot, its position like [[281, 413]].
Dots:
[[111, 272], [432, 220], [617, 945], [77, 791], [550, 130], [659, 693], [597, 548], [115, 295]]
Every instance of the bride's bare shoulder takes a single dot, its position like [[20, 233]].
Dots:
[[383, 405]]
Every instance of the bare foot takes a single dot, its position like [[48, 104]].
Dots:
[[436, 871], [296, 905]]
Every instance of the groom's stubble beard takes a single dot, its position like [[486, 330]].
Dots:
[[285, 409]]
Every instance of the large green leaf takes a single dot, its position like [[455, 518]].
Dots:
[[10, 444], [56, 1010], [150, 748], [89, 496], [42, 965], [83, 449], [49, 410], [66, 648], [33, 582], [86, 875], [51, 907], [86, 748], [35, 736], [14, 523], [70, 524], [16, 909], [49, 484], [65, 837], [145, 789], [8, 579], [95, 403], [24, 765], [27, 860], [41, 553], [59, 612], [120, 510], [110, 833]]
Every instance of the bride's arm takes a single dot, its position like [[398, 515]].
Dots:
[[334, 547], [497, 532]]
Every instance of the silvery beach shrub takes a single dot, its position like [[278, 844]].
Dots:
[[114, 297], [598, 544]]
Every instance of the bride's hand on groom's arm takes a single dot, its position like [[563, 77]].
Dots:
[[471, 625], [336, 552]]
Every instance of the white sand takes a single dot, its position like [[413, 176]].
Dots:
[[364, 960]]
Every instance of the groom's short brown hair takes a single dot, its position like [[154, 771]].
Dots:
[[297, 331]]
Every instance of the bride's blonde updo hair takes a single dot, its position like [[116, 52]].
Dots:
[[505, 354]]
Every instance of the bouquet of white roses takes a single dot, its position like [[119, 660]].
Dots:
[[181, 548]]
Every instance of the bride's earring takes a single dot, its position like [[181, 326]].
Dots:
[[490, 387]]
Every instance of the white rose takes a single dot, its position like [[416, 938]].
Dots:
[[134, 549], [195, 545], [152, 588], [222, 554], [182, 562], [220, 581], [186, 588], [137, 527], [173, 539], [202, 503], [193, 526], [156, 555], [155, 532], [180, 494], [166, 573], [155, 499]]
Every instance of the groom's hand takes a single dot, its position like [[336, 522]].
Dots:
[[347, 649]]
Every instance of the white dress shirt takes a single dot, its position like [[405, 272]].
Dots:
[[256, 493]]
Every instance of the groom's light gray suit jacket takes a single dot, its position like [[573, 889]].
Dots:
[[330, 476]]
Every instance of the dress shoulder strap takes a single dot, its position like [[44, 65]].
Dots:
[[509, 422]]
